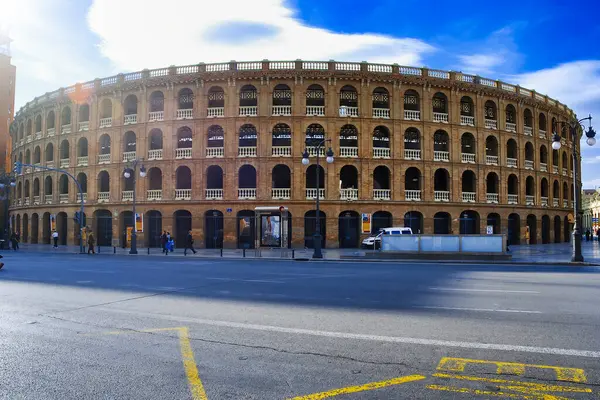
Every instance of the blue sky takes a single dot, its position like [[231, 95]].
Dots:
[[550, 46]]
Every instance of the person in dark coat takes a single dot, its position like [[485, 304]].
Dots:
[[91, 241], [189, 243], [14, 239], [164, 242], [587, 235]]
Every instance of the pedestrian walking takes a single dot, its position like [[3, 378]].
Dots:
[[189, 243], [55, 238], [91, 241], [84, 238], [598, 234], [14, 240], [164, 243], [587, 235], [124, 239]]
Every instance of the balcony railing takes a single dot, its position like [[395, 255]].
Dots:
[[555, 202], [155, 154], [348, 151], [281, 110], [528, 130], [64, 163], [440, 117], [215, 112], [315, 110], [311, 194], [129, 156], [564, 172], [555, 169], [36, 200], [543, 167], [281, 151], [467, 120], [312, 151], [490, 123], [27, 201], [130, 119], [492, 198], [528, 164], [441, 156], [185, 153], [82, 161], [28, 139], [441, 195], [104, 158], [412, 195], [213, 194], [248, 111], [48, 198], [382, 194], [50, 132], [50, 164], [349, 194], [468, 158], [381, 113], [183, 194], [84, 126], [247, 151], [412, 115], [381, 152], [351, 112], [103, 197], [544, 201], [511, 127], [214, 152], [491, 160], [105, 122], [281, 193], [79, 195], [513, 199], [66, 129], [529, 200], [154, 194], [511, 162], [127, 195], [63, 198], [187, 113], [247, 194], [410, 154], [19, 202], [468, 197], [156, 116], [542, 134], [565, 203]]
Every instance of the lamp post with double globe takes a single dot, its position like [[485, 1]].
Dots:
[[575, 127], [130, 172]]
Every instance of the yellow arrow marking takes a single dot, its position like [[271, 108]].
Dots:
[[361, 388]]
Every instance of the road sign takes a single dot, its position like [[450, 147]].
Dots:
[[229, 210], [490, 229]]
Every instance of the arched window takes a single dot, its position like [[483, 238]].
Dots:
[[315, 134], [82, 151], [382, 183], [544, 191], [129, 144], [48, 188], [27, 188], [157, 102], [529, 154], [64, 150], [412, 144], [412, 184], [185, 100], [491, 150], [50, 122], [281, 182], [103, 185], [348, 183], [381, 142], [216, 101], [381, 103], [154, 179], [28, 156], [315, 100], [65, 118], [281, 141], [530, 186], [247, 141], [528, 122], [555, 193], [565, 163], [184, 143], [467, 148], [513, 189], [248, 101], [311, 182], [412, 105], [349, 99], [36, 187], [38, 123], [511, 153], [543, 158], [183, 183], [441, 146], [492, 188], [467, 111], [155, 144], [348, 141], [441, 185], [542, 123], [104, 144], [49, 153], [214, 182], [469, 187], [282, 100], [37, 155], [130, 109], [490, 115], [105, 112], [439, 104], [247, 182], [215, 141], [63, 184], [82, 179]]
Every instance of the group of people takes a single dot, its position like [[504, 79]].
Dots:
[[590, 234], [167, 243]]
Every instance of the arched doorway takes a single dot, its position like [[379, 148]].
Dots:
[[532, 226], [567, 230], [380, 220], [310, 228], [183, 224], [35, 228], [103, 222], [46, 234], [414, 221], [442, 223], [545, 229], [493, 220], [125, 221], [557, 229], [25, 233], [469, 222], [348, 229], [246, 228], [61, 227], [153, 228], [514, 229], [213, 229]]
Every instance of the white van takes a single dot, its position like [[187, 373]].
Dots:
[[374, 240]]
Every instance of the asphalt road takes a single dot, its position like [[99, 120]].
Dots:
[[112, 327]]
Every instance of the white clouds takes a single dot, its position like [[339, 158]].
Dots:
[[480, 63], [496, 52], [142, 36]]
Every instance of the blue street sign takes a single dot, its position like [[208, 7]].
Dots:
[[229, 210]]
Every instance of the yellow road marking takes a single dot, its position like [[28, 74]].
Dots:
[[494, 394], [450, 364], [187, 356], [361, 388]]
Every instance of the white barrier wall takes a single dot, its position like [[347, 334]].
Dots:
[[444, 243]]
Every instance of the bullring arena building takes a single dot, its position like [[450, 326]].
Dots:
[[441, 152]]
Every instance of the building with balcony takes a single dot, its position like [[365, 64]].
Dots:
[[440, 152]]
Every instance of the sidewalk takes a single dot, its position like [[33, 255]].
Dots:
[[541, 253]]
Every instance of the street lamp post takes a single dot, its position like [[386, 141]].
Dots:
[[574, 126], [305, 161], [130, 172], [7, 182]]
